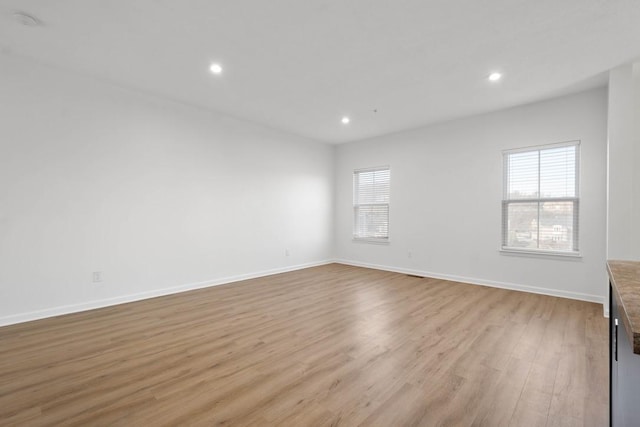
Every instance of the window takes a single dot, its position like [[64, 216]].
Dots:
[[371, 204], [541, 199]]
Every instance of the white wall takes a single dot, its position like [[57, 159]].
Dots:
[[157, 195], [624, 157], [446, 191], [163, 197]]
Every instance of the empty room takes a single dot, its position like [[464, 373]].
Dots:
[[319, 213]]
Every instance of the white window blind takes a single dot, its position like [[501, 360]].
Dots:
[[540, 205], [371, 204]]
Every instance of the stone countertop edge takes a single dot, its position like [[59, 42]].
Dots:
[[625, 281]]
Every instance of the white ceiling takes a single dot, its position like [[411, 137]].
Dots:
[[300, 65]]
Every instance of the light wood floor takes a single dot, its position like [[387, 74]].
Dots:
[[332, 345]]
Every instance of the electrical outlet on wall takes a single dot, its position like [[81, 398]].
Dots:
[[287, 252], [97, 277], [409, 254]]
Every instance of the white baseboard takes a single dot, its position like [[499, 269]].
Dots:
[[473, 281], [91, 305]]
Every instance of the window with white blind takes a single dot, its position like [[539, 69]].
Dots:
[[371, 204], [541, 201]]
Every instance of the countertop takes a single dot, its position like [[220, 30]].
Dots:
[[625, 281]]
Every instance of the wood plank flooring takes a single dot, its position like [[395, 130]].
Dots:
[[326, 346]]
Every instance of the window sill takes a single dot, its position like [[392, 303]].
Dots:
[[373, 241], [541, 254]]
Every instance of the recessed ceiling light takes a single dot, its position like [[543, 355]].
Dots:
[[215, 68], [494, 77], [26, 19], [345, 120]]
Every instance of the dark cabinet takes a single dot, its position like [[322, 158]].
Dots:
[[624, 385]]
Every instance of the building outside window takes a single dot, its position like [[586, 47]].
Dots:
[[540, 206]]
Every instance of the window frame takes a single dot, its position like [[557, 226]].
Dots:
[[575, 200], [356, 206]]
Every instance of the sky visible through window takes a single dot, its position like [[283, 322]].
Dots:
[[371, 204], [541, 200], [552, 170]]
